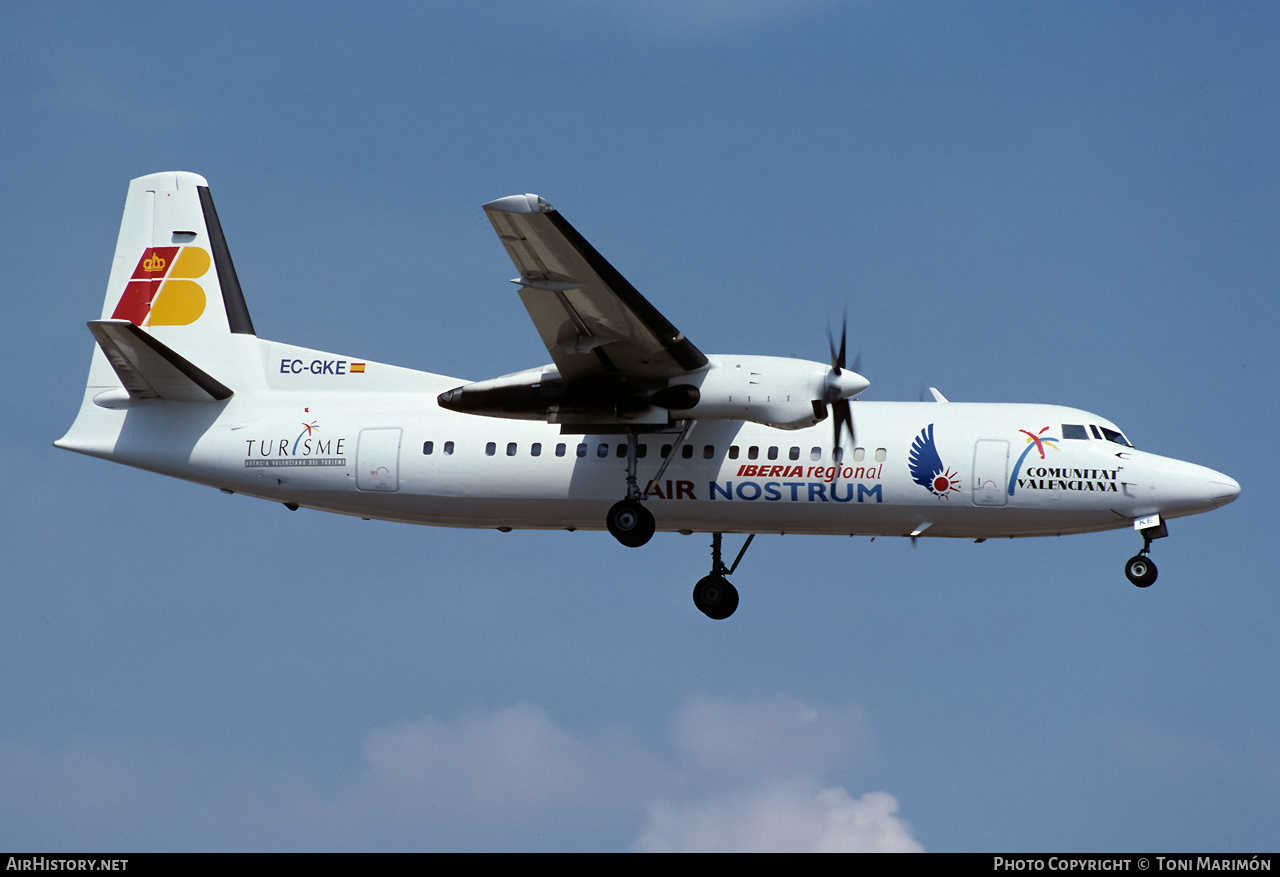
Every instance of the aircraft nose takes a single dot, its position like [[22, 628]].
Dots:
[[1223, 489]]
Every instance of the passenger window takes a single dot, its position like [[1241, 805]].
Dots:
[[511, 449], [880, 455], [622, 450], [602, 450], [708, 451], [687, 452], [490, 449], [448, 448], [795, 454], [753, 453], [1074, 431], [666, 452], [773, 453], [428, 447], [815, 455], [535, 449], [560, 449], [733, 452], [641, 450], [859, 454], [582, 449]]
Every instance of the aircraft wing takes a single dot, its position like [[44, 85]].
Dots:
[[591, 319]]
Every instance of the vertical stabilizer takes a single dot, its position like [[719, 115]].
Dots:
[[174, 325], [172, 271], [172, 276]]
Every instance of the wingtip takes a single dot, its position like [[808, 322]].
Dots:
[[529, 203]]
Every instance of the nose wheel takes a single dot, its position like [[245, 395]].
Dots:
[[1141, 569]]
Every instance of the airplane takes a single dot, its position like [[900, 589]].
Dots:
[[630, 428]]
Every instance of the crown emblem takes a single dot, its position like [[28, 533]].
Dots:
[[155, 263]]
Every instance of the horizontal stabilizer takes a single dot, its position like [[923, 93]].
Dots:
[[150, 370]]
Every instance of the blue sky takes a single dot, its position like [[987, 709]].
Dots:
[[1075, 204]]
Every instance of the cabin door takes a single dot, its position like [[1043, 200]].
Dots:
[[378, 460], [990, 472]]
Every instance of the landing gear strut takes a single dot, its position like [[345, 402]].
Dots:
[[1141, 569], [630, 522], [713, 595]]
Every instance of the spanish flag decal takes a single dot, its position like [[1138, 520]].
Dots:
[[357, 368]]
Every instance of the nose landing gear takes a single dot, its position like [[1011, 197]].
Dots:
[[1141, 569]]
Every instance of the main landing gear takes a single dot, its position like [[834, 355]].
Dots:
[[1141, 569], [713, 595], [630, 522]]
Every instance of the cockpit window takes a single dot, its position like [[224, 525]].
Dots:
[[1074, 431], [1112, 436]]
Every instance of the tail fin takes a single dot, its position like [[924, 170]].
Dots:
[[174, 287], [174, 324], [161, 280]]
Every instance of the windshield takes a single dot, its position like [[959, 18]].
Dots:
[[1112, 435]]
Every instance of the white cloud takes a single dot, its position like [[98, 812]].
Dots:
[[745, 775], [754, 783], [508, 767], [787, 818], [725, 742]]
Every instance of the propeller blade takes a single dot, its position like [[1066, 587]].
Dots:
[[838, 359], [835, 395], [844, 417], [841, 420]]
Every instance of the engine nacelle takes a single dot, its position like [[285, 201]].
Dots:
[[773, 390]]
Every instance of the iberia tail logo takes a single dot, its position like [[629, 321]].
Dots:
[[163, 290]]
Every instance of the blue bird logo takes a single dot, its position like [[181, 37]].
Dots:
[[927, 469]]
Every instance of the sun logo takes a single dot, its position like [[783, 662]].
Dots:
[[927, 469], [947, 482], [1036, 441]]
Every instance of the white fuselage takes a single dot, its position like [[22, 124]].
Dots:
[[305, 428]]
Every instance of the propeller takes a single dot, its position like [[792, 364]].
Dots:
[[839, 385]]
